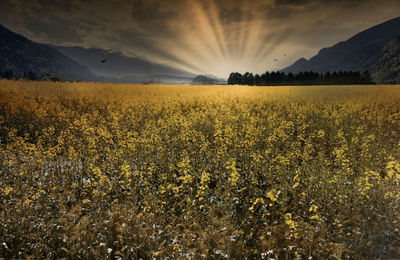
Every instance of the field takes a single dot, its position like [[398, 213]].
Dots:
[[127, 171]]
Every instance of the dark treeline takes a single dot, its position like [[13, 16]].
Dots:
[[302, 78], [9, 74]]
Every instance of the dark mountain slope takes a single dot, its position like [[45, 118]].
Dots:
[[373, 49], [19, 54]]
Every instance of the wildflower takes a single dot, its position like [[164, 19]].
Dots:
[[313, 208], [288, 220], [126, 170], [257, 201], [28, 202], [8, 190], [234, 176], [272, 195]]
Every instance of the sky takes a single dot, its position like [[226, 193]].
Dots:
[[213, 37]]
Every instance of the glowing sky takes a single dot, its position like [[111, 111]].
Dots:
[[201, 36]]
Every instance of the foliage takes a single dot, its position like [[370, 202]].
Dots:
[[386, 63], [100, 170], [301, 78]]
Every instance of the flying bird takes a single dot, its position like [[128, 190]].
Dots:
[[275, 60], [103, 61]]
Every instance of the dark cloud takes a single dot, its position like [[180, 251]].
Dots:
[[59, 30], [229, 15], [306, 2], [152, 15], [291, 2]]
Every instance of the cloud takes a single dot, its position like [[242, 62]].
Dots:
[[291, 2], [152, 16], [55, 29]]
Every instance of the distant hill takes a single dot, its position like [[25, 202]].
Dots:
[[153, 79], [21, 55], [207, 80], [375, 49], [123, 68]]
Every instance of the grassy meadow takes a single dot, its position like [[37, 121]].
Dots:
[[148, 171]]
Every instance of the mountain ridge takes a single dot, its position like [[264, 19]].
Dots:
[[21, 55], [354, 53], [118, 65]]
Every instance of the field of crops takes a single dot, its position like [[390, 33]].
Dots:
[[127, 171]]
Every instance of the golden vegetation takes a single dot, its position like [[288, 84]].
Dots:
[[97, 171]]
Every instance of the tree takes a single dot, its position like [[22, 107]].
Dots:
[[235, 78], [366, 78], [257, 80], [301, 78], [245, 78], [30, 75], [290, 77], [250, 79], [8, 74]]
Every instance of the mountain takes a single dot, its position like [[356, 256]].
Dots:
[[207, 80], [375, 49], [123, 68], [154, 79], [21, 55], [385, 64]]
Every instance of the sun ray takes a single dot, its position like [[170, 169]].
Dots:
[[244, 33], [217, 26], [205, 40]]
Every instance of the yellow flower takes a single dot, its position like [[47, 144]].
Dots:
[[288, 220], [8, 190], [315, 217], [86, 201], [313, 208], [234, 176], [28, 202], [272, 195]]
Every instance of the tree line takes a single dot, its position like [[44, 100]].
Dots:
[[9, 74], [276, 78], [30, 75]]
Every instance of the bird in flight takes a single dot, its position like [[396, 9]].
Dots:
[[103, 61], [275, 60]]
